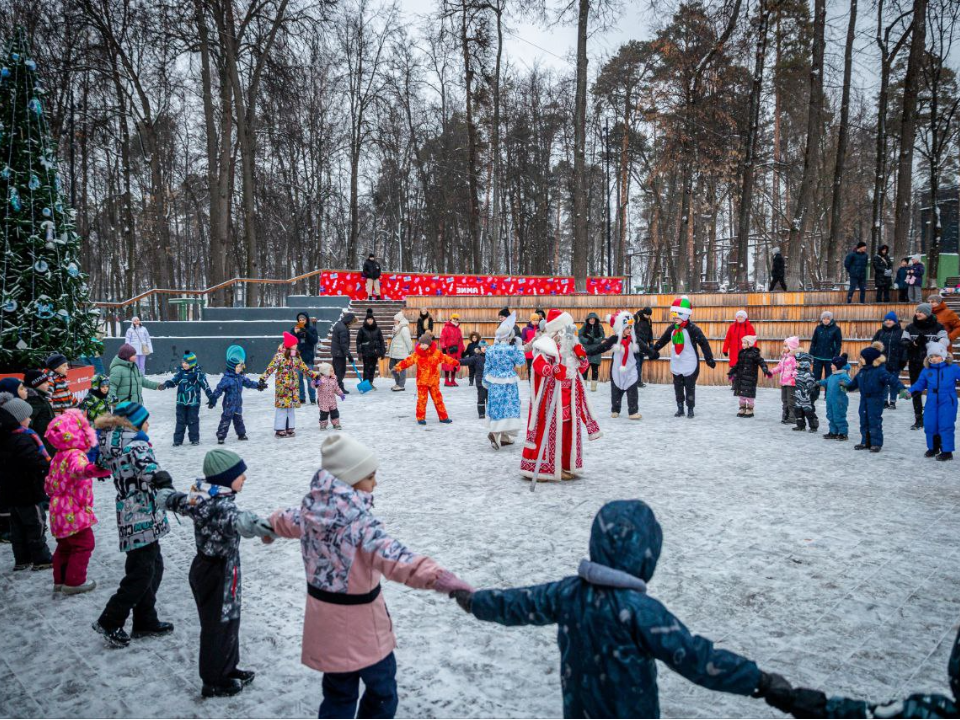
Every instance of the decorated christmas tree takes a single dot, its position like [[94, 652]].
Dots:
[[44, 298]]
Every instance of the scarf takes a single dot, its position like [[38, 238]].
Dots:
[[36, 438], [626, 350], [677, 337]]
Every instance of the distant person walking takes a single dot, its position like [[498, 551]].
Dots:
[[778, 273], [915, 272], [138, 337], [856, 266], [883, 273], [371, 273], [901, 281]]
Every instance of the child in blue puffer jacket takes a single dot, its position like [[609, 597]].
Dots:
[[837, 400], [231, 386], [611, 631], [188, 381], [872, 381], [939, 378]]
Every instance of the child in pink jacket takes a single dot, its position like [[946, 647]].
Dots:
[[787, 369], [347, 631], [328, 390], [69, 486]]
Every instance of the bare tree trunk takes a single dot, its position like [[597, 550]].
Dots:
[[798, 225], [836, 204], [473, 218], [623, 184], [908, 130], [580, 248]]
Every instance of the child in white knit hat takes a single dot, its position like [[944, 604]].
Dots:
[[328, 390], [347, 631]]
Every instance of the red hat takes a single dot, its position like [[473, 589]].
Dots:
[[289, 341], [557, 320]]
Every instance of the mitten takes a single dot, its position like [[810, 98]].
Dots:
[[261, 385], [769, 375], [558, 370], [711, 363], [162, 480], [774, 688], [212, 404], [448, 583], [654, 355], [464, 599], [579, 351], [800, 702], [905, 395]]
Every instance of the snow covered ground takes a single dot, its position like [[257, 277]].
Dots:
[[834, 567]]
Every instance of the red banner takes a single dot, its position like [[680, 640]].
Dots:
[[397, 286], [78, 377]]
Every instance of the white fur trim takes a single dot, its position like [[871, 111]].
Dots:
[[547, 346], [560, 322]]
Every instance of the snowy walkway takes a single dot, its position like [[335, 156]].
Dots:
[[836, 568]]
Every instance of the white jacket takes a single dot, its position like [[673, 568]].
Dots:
[[139, 337], [401, 344]]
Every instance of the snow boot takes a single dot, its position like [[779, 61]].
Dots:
[[690, 412], [226, 689], [918, 425], [944, 456], [930, 453], [875, 448], [841, 436], [861, 446], [636, 416], [421, 422], [116, 637], [482, 410], [323, 424], [748, 413], [830, 436], [336, 425], [893, 406], [679, 410], [244, 676], [242, 437], [194, 442], [614, 414], [221, 441], [446, 421], [280, 433], [156, 630], [494, 440], [78, 589], [742, 413], [42, 565], [593, 386], [21, 566], [799, 428], [641, 384]]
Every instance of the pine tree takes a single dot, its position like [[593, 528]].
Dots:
[[44, 298]]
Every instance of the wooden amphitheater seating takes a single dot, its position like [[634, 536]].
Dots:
[[774, 316]]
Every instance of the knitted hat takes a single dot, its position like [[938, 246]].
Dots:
[[925, 308], [98, 381], [425, 339], [369, 312], [483, 343], [891, 316], [10, 385], [190, 359], [55, 361], [840, 361], [289, 341], [936, 348], [126, 352], [870, 355], [455, 316], [399, 317], [222, 467], [750, 340], [861, 244], [348, 460], [325, 369], [19, 409], [646, 311], [792, 342], [134, 412], [35, 378], [236, 355], [775, 251], [504, 312], [741, 314], [826, 314], [682, 307], [535, 318]]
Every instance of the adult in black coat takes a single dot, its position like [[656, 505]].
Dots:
[[643, 328], [25, 464], [778, 273], [924, 328], [856, 266], [340, 347], [883, 273], [370, 346], [825, 345], [306, 333], [424, 323], [371, 273], [890, 335]]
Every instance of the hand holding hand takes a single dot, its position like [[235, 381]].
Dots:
[[579, 351], [464, 599], [905, 394], [266, 540], [448, 583], [212, 404], [769, 375], [711, 363]]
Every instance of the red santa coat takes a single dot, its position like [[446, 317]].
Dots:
[[733, 343], [451, 343], [558, 412]]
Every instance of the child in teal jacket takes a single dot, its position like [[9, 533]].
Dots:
[[837, 400]]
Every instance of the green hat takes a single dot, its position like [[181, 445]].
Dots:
[[222, 467]]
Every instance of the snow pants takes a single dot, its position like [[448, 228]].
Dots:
[[71, 558], [633, 403], [227, 417], [284, 419], [27, 535], [871, 421], [434, 392], [481, 400], [805, 415], [746, 402], [188, 419], [137, 591], [914, 369], [341, 691], [787, 401], [837, 415], [326, 415], [685, 388], [219, 638]]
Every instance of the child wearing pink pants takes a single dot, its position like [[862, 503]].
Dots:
[[69, 485]]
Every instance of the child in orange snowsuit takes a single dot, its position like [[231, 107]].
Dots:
[[428, 358]]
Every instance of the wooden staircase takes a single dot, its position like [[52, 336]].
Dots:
[[383, 311]]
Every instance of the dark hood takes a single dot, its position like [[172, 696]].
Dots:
[[626, 536], [953, 668], [594, 316]]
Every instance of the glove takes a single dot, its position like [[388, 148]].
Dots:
[[579, 351], [769, 375], [799, 702], [448, 583], [351, 359], [711, 363], [261, 385], [654, 355], [776, 690], [905, 395], [212, 404], [464, 599], [162, 480]]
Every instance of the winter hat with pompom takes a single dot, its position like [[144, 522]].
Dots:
[[348, 460], [126, 352], [19, 409], [134, 412], [325, 369], [840, 361], [682, 307], [937, 348], [870, 355], [190, 358]]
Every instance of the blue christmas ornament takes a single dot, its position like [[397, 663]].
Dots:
[[35, 107], [44, 310], [31, 65], [34, 183], [10, 306], [14, 56], [47, 212], [72, 270], [41, 266], [63, 315], [15, 199], [4, 73]]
